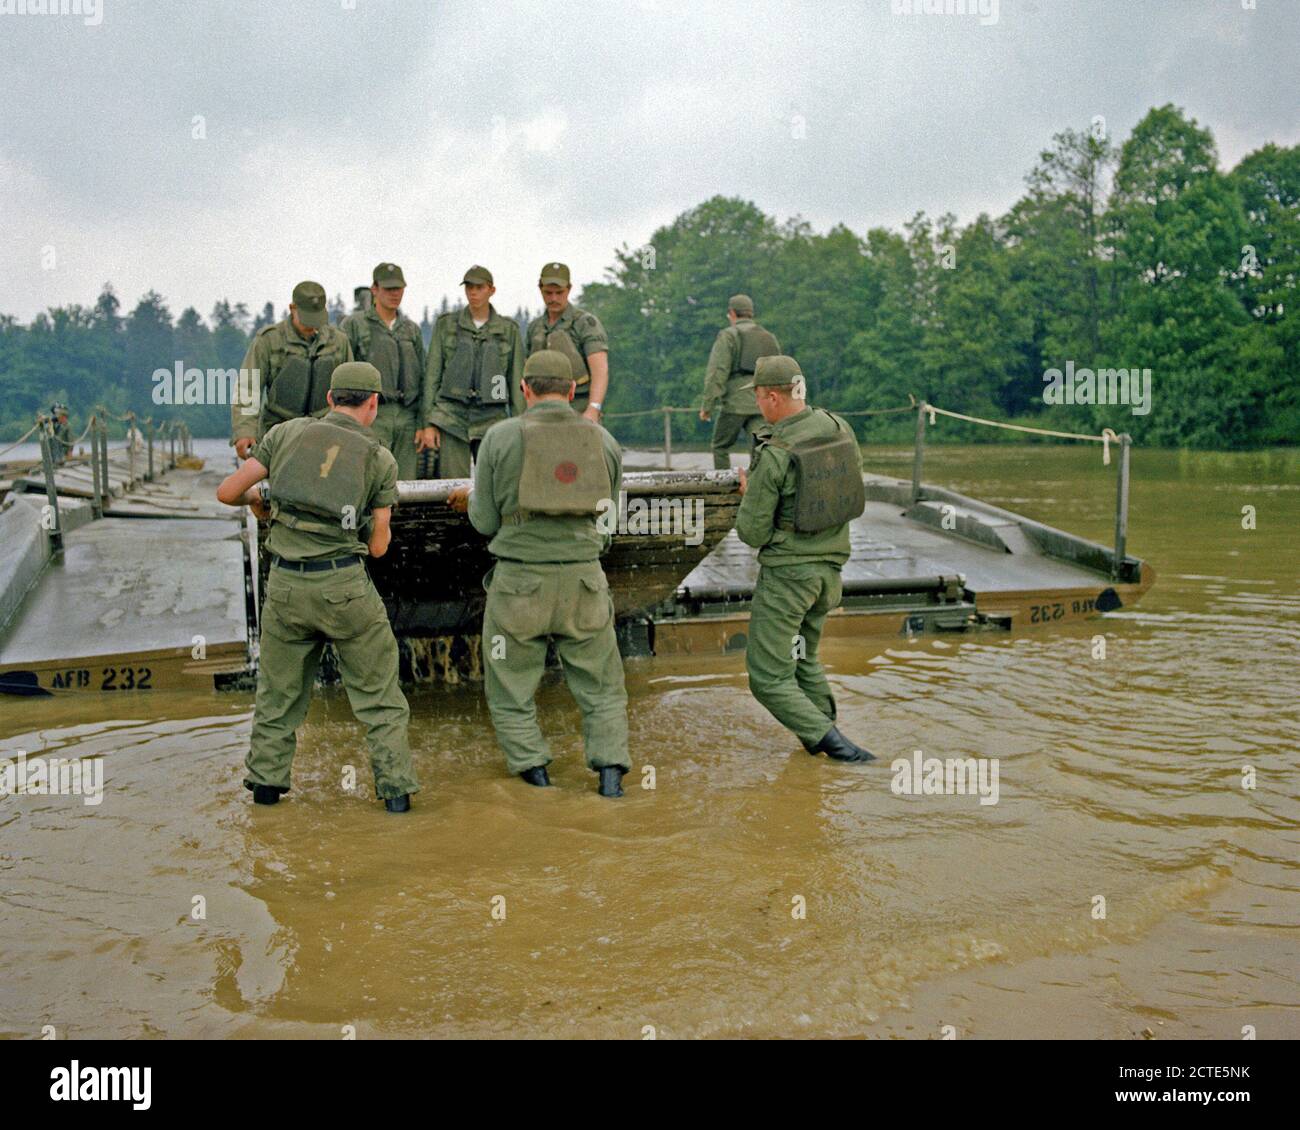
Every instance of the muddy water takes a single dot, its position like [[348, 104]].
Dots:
[[676, 908]]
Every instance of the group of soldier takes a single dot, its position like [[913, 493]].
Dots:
[[344, 413]]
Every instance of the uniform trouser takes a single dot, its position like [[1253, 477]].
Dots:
[[570, 603], [395, 428], [727, 428], [790, 606], [304, 611], [454, 456]]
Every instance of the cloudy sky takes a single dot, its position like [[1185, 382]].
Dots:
[[440, 133]]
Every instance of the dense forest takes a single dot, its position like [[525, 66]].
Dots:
[[1140, 256]]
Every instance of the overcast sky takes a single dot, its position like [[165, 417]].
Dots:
[[440, 133]]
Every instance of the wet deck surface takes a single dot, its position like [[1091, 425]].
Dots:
[[887, 545], [126, 586]]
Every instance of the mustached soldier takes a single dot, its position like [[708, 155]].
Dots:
[[803, 489], [293, 361], [578, 334], [393, 344], [472, 380], [729, 379], [329, 480], [540, 482]]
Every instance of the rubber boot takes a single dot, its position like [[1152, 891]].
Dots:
[[837, 746], [398, 803], [536, 776], [266, 794], [611, 780]]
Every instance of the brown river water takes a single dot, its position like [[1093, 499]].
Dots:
[[495, 910]]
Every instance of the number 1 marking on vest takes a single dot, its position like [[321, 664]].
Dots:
[[331, 453]]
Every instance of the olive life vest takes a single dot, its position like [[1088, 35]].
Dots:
[[755, 342], [564, 469], [474, 373], [562, 341], [828, 487], [298, 381], [322, 472], [393, 354]]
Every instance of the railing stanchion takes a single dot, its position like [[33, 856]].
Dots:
[[918, 454], [97, 498], [668, 439], [1121, 507], [51, 490]]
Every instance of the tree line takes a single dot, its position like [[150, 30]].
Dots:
[[1135, 256]]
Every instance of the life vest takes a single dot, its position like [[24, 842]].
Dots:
[[299, 381], [828, 487], [474, 374], [562, 341], [755, 342], [564, 469], [322, 472], [393, 353]]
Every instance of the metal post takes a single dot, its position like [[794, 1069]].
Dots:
[[51, 491], [918, 453], [171, 441], [97, 498], [105, 481], [668, 439], [149, 476], [130, 451], [1121, 507]]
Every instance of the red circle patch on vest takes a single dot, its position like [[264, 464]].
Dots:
[[566, 472]]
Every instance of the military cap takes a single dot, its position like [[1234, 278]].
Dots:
[[557, 273], [57, 407], [547, 363], [770, 372], [388, 274], [309, 303], [356, 376], [741, 304], [477, 274]]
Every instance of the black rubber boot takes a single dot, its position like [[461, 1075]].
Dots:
[[266, 794], [837, 746], [398, 803], [536, 776], [611, 780]]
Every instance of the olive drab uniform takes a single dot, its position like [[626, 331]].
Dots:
[[805, 486], [575, 333], [538, 489], [292, 375], [471, 382], [326, 475], [398, 353], [728, 388]]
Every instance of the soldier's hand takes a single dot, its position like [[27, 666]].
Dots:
[[458, 500], [705, 415], [428, 439], [244, 446], [744, 479], [592, 414], [257, 506]]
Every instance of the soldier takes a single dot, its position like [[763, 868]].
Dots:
[[803, 489], [329, 480], [575, 333], [728, 381], [292, 362], [390, 341], [62, 446], [540, 481], [476, 360]]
